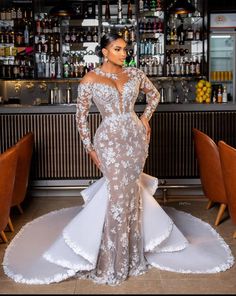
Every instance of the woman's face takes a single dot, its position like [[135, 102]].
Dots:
[[115, 52]]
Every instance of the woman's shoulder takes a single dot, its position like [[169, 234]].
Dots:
[[89, 77], [135, 71]]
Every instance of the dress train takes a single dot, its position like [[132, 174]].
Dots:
[[63, 243]]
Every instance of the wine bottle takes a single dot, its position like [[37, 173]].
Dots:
[[120, 12], [129, 11], [107, 11]]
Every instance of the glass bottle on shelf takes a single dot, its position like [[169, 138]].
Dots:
[[107, 11], [95, 35], [119, 12], [224, 95], [89, 37], [129, 11]]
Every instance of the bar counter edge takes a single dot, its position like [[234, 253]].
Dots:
[[70, 108]]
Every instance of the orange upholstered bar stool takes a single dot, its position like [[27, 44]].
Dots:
[[25, 151], [210, 171], [8, 162], [228, 163]]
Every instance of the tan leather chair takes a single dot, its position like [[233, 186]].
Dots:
[[8, 162], [208, 159], [25, 151], [228, 163]]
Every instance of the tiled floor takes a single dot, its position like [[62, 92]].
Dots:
[[153, 282]]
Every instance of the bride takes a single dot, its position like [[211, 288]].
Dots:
[[120, 230]]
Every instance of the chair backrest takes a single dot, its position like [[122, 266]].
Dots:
[[25, 151], [228, 163], [8, 162], [208, 159]]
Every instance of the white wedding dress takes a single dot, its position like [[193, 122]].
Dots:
[[120, 230]]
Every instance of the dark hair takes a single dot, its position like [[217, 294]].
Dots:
[[105, 41]]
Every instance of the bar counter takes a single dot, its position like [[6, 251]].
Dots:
[[59, 157], [70, 108]]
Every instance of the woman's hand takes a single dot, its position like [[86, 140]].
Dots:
[[95, 159], [147, 127]]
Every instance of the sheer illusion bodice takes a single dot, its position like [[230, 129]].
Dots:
[[114, 96], [121, 230]]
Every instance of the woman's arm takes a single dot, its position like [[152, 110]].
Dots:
[[84, 101], [152, 96]]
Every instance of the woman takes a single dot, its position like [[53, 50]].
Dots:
[[121, 230]]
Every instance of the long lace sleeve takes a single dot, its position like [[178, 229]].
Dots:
[[152, 96], [84, 101]]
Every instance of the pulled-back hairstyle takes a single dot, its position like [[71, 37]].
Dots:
[[105, 41]]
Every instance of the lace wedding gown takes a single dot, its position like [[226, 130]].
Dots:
[[120, 230]]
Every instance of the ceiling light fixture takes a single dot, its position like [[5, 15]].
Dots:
[[182, 7], [62, 9]]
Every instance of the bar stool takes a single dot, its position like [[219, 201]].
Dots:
[[210, 171], [228, 163], [25, 151], [8, 162]]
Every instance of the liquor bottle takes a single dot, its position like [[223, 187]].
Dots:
[[172, 67], [189, 34], [153, 5], [160, 68], [57, 45], [198, 67], [224, 95], [126, 34], [187, 67], [192, 66], [107, 11], [132, 34], [89, 37], [154, 67], [145, 5], [140, 5], [197, 35], [214, 97], [160, 26], [67, 37], [26, 35], [95, 35], [177, 67], [68, 94], [219, 95], [173, 35], [38, 45], [52, 67], [182, 67], [168, 34], [66, 68], [51, 45], [180, 34], [129, 11], [38, 25], [159, 5], [58, 67], [168, 66], [149, 26], [73, 36], [119, 12]]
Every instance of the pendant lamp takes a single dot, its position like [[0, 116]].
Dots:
[[62, 9], [182, 7]]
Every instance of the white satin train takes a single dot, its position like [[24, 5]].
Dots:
[[57, 245]]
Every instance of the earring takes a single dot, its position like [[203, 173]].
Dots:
[[105, 59]]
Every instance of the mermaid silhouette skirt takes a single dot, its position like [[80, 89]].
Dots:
[[120, 230]]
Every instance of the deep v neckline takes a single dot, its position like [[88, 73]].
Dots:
[[113, 76]]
